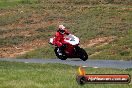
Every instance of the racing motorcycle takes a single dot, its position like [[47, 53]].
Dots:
[[71, 50]]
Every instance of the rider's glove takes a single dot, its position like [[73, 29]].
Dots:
[[63, 46]]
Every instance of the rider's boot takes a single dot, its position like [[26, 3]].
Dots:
[[59, 51], [61, 48]]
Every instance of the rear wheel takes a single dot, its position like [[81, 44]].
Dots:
[[83, 55], [62, 57]]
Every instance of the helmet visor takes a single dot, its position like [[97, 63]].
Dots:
[[62, 31]]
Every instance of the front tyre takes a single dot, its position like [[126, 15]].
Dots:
[[62, 57], [83, 55]]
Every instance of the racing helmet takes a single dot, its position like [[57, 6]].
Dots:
[[61, 29]]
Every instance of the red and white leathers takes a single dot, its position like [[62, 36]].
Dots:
[[59, 38]]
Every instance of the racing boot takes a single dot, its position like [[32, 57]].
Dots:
[[61, 49]]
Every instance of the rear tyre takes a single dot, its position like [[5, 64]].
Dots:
[[62, 57], [83, 55]]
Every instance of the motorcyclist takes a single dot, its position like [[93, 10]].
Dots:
[[59, 38]]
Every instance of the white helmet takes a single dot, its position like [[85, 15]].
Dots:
[[61, 29]]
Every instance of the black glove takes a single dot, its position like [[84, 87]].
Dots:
[[63, 46]]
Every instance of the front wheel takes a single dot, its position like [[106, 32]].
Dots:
[[83, 55], [62, 57]]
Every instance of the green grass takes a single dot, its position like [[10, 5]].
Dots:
[[27, 75], [43, 53], [5, 4], [15, 40], [14, 17], [120, 49]]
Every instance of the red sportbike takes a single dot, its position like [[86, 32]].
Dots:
[[71, 50]]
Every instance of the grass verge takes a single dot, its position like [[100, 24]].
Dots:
[[27, 75], [87, 19]]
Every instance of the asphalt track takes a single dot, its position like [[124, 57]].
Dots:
[[76, 62]]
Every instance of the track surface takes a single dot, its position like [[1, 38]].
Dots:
[[76, 62]]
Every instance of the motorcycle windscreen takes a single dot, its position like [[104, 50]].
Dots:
[[71, 39]]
